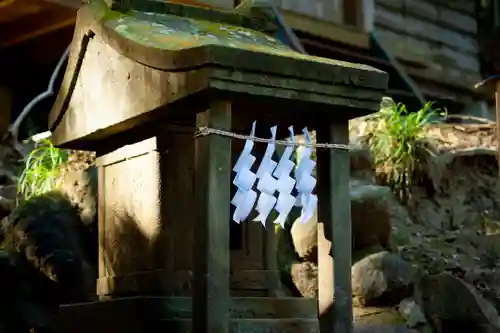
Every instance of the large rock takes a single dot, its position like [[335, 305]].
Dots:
[[379, 320], [371, 214], [305, 238], [361, 162], [373, 328], [454, 306], [305, 278], [382, 279], [412, 313], [487, 282], [80, 187]]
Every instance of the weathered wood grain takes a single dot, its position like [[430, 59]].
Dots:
[[441, 36], [143, 314], [248, 325], [310, 25], [240, 307], [211, 242], [243, 282], [335, 299], [324, 10], [497, 106], [340, 205], [133, 82], [419, 28]]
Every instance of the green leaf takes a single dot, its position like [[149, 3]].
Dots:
[[41, 170]]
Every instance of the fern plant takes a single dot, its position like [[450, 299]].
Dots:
[[396, 144], [41, 170]]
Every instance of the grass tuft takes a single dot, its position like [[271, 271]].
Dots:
[[41, 170], [397, 143]]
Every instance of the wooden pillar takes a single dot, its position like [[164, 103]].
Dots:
[[488, 86], [497, 105], [335, 211], [340, 205], [101, 237], [211, 296]]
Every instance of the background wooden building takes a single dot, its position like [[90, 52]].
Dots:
[[434, 49]]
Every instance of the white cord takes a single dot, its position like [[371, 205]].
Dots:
[[14, 127]]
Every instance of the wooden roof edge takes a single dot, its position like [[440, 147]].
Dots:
[[419, 74]]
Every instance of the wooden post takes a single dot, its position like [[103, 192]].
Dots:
[[488, 86], [211, 297], [497, 104], [340, 205], [335, 212], [101, 236]]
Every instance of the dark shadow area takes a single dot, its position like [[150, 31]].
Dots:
[[129, 258], [128, 255]]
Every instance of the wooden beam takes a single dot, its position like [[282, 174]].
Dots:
[[75, 4], [6, 3], [35, 25], [11, 10], [211, 299], [43, 31], [327, 30]]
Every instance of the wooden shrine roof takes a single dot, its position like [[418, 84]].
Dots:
[[191, 59], [174, 42]]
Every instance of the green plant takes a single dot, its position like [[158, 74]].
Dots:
[[488, 225], [41, 170], [397, 143]]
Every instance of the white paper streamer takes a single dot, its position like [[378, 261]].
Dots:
[[306, 182], [267, 184], [286, 156], [285, 183], [245, 197], [274, 182]]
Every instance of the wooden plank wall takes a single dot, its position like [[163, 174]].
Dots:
[[225, 4], [438, 33], [327, 10]]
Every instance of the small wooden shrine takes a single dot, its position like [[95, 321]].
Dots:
[[140, 82]]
